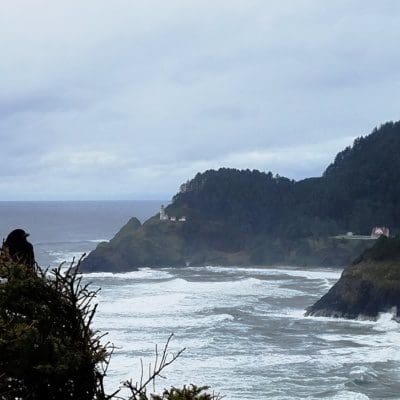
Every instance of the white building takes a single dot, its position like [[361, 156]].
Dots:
[[165, 217], [378, 231], [163, 214]]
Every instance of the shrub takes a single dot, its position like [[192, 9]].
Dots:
[[48, 348]]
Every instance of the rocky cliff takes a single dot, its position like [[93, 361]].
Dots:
[[369, 286], [165, 243]]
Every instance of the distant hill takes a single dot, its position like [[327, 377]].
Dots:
[[251, 217]]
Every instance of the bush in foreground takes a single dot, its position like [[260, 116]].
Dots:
[[47, 345]]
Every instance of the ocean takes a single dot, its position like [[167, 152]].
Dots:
[[243, 328]]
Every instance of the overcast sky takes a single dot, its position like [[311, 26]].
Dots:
[[128, 99]]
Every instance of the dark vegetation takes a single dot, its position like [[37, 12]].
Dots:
[[49, 349], [384, 249], [359, 190]]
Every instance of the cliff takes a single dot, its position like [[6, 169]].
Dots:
[[135, 245], [369, 286], [164, 243]]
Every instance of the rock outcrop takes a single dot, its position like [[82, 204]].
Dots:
[[369, 286], [155, 243]]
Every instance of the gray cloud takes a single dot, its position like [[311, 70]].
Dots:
[[128, 99]]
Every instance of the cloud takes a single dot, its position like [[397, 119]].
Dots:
[[128, 99]]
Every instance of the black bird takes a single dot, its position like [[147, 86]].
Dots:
[[19, 249]]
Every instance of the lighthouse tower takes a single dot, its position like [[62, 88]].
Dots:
[[163, 214]]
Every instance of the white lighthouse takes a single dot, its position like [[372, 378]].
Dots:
[[163, 214]]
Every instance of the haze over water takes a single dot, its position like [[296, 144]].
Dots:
[[243, 328]]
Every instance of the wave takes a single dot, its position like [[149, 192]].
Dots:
[[154, 293], [362, 375], [248, 287], [244, 325], [140, 274], [384, 321], [348, 395], [135, 322], [67, 242], [320, 273], [65, 256]]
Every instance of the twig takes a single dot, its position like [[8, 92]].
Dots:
[[138, 391]]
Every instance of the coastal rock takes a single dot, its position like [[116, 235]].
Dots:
[[197, 242], [136, 245], [371, 285], [109, 255]]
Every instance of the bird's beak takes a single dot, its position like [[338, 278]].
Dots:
[[26, 235]]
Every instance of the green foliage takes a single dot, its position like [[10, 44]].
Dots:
[[48, 349], [384, 249], [248, 201], [186, 393]]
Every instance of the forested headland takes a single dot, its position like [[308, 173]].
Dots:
[[252, 217]]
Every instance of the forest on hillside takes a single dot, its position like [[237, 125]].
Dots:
[[359, 190]]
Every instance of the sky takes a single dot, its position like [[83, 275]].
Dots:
[[106, 100]]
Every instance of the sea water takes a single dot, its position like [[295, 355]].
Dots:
[[61, 230], [243, 328]]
